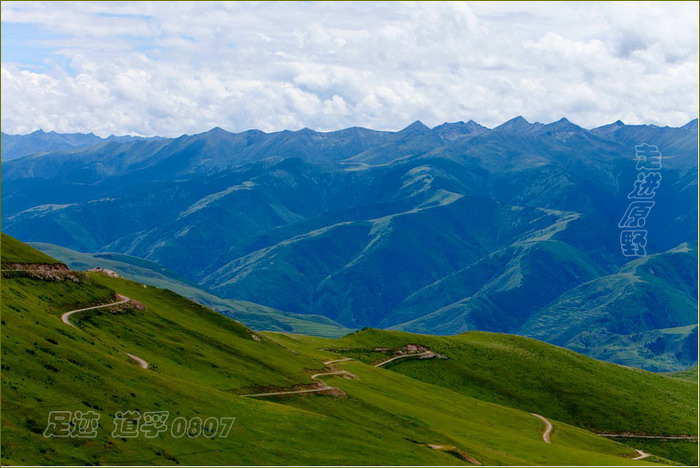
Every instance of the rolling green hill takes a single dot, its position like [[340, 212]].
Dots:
[[199, 363]]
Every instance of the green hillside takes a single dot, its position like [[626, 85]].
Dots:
[[14, 251], [534, 376], [200, 362], [644, 315], [253, 315], [501, 290], [690, 374]]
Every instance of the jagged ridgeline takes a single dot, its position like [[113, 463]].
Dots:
[[96, 343]]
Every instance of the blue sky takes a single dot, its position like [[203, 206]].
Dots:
[[27, 45], [170, 68]]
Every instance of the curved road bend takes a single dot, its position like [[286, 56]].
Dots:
[[143, 364], [642, 455], [337, 360], [324, 388], [547, 429], [65, 318], [387, 361]]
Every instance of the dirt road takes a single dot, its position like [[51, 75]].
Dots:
[[325, 387], [387, 361], [642, 455], [312, 390], [65, 317], [547, 427], [337, 360], [315, 376], [140, 361]]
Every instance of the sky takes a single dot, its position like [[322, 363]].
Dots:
[[173, 68]]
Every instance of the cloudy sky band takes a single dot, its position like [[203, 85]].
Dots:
[[167, 68]]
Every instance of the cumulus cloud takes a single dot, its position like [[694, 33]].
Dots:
[[169, 68]]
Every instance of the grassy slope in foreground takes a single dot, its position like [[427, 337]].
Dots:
[[253, 315], [200, 360]]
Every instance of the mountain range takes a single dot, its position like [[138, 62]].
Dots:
[[433, 230], [16, 146]]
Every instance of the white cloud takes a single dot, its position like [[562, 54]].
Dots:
[[184, 67]]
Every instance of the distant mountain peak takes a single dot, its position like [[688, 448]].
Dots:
[[518, 123], [692, 124], [216, 130], [611, 126], [561, 125], [473, 124], [416, 126], [518, 119], [454, 130]]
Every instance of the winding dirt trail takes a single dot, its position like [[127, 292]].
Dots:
[[143, 364], [65, 318], [642, 455], [455, 451], [547, 429], [323, 388], [337, 360], [315, 376], [387, 361], [311, 390]]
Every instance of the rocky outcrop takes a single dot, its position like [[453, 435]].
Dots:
[[42, 271], [106, 271], [423, 351]]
